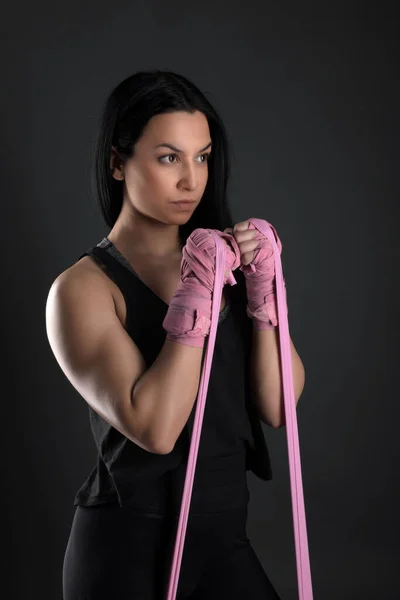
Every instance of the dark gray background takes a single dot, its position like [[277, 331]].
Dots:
[[310, 97]]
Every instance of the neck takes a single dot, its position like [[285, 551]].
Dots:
[[141, 236]]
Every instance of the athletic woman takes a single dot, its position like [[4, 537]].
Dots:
[[128, 322]]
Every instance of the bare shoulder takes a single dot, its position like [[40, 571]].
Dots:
[[85, 267], [86, 276]]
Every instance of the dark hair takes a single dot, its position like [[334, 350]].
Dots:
[[126, 113]]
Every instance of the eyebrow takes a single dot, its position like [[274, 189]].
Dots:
[[177, 149]]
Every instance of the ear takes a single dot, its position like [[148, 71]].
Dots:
[[116, 165]]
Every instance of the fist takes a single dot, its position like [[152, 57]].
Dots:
[[245, 240]]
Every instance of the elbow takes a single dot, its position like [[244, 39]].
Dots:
[[277, 424], [167, 446], [158, 445], [282, 422], [161, 449], [153, 439], [274, 423]]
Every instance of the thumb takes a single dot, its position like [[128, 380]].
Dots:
[[228, 230]]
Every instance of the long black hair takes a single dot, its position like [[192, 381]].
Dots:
[[127, 110]]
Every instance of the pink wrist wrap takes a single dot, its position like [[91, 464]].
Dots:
[[260, 282], [188, 319]]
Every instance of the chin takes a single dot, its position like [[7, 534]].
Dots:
[[182, 216]]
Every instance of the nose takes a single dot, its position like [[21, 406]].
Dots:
[[189, 178]]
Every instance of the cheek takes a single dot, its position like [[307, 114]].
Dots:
[[156, 178], [146, 178], [204, 178], [159, 177]]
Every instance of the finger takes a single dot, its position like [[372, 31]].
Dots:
[[245, 237], [242, 226], [248, 246], [247, 257]]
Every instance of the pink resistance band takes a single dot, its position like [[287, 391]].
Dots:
[[299, 519]]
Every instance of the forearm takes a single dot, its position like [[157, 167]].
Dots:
[[266, 376]]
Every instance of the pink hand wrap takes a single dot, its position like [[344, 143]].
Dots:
[[188, 319], [260, 282]]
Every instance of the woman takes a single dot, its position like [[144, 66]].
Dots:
[[160, 142]]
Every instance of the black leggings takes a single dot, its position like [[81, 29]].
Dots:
[[117, 553]]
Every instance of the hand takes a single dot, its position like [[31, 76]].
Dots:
[[188, 318], [199, 256], [258, 266], [245, 239]]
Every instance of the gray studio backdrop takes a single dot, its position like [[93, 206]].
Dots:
[[310, 99]]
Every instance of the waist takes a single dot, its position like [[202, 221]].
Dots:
[[220, 484]]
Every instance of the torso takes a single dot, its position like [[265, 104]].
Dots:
[[161, 279]]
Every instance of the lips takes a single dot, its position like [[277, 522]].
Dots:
[[184, 201], [184, 204]]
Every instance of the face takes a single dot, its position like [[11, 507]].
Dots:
[[169, 164]]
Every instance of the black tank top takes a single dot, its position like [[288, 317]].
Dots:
[[232, 439]]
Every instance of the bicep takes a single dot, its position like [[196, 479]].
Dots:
[[94, 351]]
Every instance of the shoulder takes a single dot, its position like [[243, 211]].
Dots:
[[86, 276], [86, 268]]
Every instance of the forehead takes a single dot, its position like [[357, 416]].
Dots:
[[181, 128]]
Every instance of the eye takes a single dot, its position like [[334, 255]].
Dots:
[[166, 156], [205, 155]]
